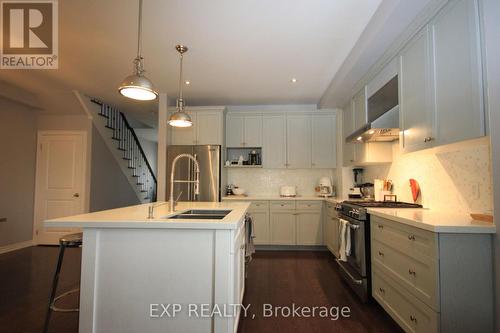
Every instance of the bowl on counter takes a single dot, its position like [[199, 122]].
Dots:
[[239, 191]]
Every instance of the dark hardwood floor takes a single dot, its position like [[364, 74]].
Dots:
[[277, 278]]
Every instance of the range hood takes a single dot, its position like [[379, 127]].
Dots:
[[382, 114]]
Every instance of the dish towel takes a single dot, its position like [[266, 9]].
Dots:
[[343, 239], [249, 246]]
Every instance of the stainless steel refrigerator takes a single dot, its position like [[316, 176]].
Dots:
[[209, 158]]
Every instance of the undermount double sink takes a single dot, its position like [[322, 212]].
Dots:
[[201, 214]]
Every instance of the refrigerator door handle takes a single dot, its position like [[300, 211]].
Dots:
[[193, 175]]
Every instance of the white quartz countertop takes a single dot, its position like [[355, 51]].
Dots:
[[135, 217], [278, 198], [435, 221]]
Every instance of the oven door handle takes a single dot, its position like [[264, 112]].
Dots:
[[353, 226], [356, 281]]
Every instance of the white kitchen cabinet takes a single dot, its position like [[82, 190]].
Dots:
[[283, 228], [298, 134], [244, 130], [274, 141], [324, 141], [207, 129], [309, 228], [261, 225], [457, 72], [359, 109], [415, 90], [347, 129]]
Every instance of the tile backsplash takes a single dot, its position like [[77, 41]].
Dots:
[[267, 182], [456, 178]]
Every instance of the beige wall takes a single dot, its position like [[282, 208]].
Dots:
[[109, 188], [17, 171]]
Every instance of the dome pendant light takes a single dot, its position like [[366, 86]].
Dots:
[[180, 118], [137, 86]]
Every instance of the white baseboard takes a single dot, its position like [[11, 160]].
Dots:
[[16, 246]]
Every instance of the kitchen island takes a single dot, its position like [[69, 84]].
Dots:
[[161, 274]]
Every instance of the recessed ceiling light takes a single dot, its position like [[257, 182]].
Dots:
[[188, 82], [293, 80], [359, 138]]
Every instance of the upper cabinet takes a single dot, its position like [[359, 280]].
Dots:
[[244, 130], [415, 91], [207, 129], [347, 129], [457, 72], [274, 141], [323, 141], [298, 134], [441, 92]]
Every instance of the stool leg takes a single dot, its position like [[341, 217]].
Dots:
[[54, 287]]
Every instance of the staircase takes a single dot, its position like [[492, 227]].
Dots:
[[134, 161]]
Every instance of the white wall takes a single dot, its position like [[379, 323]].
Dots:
[[452, 178], [267, 182], [17, 171]]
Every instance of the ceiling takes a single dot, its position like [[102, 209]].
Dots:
[[240, 52]]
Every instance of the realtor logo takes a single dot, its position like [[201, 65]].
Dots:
[[29, 38]]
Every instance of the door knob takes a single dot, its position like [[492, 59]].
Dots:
[[76, 195]]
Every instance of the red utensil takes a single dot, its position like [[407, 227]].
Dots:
[[415, 189]]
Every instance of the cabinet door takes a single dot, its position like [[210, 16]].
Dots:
[[274, 141], [324, 143], [309, 228], [185, 135], [328, 232], [282, 228], [209, 128], [298, 138], [457, 73], [359, 108], [335, 235], [416, 107], [347, 129], [261, 227], [253, 131], [234, 130]]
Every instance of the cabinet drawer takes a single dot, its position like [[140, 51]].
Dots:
[[415, 242], [259, 206], [419, 278], [411, 314], [309, 205], [282, 205]]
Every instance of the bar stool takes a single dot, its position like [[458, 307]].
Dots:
[[67, 241]]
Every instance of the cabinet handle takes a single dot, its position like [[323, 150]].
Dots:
[[242, 246], [351, 160], [282, 205], [413, 318], [412, 272], [411, 237], [428, 139], [381, 254], [382, 290], [380, 226]]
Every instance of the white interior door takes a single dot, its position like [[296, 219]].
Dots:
[[60, 181]]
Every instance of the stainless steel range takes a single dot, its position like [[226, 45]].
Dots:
[[356, 271]]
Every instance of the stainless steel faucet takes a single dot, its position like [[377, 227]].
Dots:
[[196, 180]]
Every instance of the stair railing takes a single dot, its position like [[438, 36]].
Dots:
[[132, 150]]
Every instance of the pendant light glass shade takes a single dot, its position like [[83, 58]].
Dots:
[[180, 118], [137, 86]]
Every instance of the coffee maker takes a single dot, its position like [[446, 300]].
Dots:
[[325, 187], [355, 190]]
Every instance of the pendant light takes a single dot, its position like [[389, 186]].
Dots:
[[180, 118], [137, 86]]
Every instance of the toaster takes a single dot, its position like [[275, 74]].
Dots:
[[288, 191]]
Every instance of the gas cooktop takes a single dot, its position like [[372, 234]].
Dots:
[[383, 204]]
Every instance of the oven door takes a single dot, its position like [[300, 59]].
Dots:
[[357, 257]]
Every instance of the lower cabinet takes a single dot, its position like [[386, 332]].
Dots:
[[283, 228], [331, 233], [259, 210], [309, 228], [428, 282]]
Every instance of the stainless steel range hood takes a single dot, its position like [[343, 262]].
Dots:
[[383, 116]]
